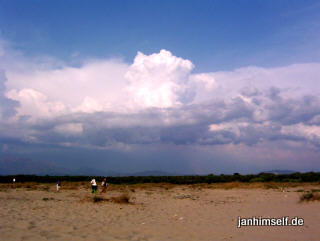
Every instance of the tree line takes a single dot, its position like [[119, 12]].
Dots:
[[188, 179]]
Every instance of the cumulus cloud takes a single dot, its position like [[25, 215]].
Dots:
[[159, 100], [158, 80]]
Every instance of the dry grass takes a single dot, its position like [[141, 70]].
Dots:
[[69, 186], [124, 188], [27, 185], [142, 186], [250, 185]]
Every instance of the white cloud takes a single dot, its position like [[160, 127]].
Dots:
[[310, 132], [94, 85], [207, 80], [233, 127], [158, 80], [297, 80], [89, 105], [35, 104]]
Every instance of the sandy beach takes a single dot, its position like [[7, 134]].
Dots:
[[154, 212]]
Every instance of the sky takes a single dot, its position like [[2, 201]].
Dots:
[[191, 87]]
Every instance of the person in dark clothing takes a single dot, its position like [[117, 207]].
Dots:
[[104, 185]]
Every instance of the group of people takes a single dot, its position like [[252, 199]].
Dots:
[[94, 187]]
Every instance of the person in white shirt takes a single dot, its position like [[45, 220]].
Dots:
[[93, 186], [58, 185]]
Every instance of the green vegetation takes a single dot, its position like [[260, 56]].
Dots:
[[191, 179]]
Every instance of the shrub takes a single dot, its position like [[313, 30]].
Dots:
[[310, 196], [315, 190], [257, 179]]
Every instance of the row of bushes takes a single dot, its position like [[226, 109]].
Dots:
[[191, 179]]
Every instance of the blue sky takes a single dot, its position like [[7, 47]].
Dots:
[[182, 86], [215, 35]]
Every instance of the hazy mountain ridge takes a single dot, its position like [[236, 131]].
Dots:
[[17, 165], [281, 171]]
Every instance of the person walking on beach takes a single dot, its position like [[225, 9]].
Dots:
[[58, 185], [104, 185], [93, 186]]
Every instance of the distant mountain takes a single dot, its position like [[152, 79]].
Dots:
[[87, 171], [16, 165], [84, 171], [152, 173], [281, 171]]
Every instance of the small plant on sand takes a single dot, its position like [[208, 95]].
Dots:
[[310, 196], [98, 199], [123, 199]]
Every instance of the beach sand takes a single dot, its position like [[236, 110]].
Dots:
[[155, 212]]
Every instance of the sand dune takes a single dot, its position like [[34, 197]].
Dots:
[[154, 213]]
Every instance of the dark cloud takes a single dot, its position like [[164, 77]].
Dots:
[[289, 111], [188, 124]]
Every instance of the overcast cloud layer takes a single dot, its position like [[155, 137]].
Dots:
[[249, 115]]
